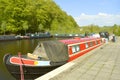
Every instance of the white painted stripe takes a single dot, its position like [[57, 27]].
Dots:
[[42, 63]]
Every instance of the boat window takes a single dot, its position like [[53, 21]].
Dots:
[[96, 42], [86, 45], [75, 48], [100, 41], [91, 44]]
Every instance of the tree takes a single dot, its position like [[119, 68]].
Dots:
[[40, 28], [3, 26], [18, 13], [25, 26]]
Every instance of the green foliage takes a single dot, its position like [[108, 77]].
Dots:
[[96, 29], [34, 16], [25, 26], [21, 16], [3, 26]]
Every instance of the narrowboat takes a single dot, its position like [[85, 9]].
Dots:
[[49, 55]]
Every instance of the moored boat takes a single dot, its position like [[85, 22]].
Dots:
[[49, 55]]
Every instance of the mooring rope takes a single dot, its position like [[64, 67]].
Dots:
[[21, 67]]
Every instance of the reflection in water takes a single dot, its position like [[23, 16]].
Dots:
[[12, 47]]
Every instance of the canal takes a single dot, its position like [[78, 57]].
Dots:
[[13, 47]]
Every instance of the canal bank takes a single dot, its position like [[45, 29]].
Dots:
[[7, 37], [102, 63]]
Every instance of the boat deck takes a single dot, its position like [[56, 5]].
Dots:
[[102, 63]]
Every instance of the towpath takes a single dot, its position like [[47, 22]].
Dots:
[[102, 63]]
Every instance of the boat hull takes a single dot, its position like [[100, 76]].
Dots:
[[30, 72], [58, 52]]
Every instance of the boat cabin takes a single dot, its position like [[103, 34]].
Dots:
[[79, 46], [65, 50]]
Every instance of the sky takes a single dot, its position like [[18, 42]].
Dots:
[[87, 12]]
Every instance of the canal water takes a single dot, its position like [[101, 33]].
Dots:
[[13, 47]]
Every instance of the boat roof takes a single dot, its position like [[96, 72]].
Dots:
[[78, 40]]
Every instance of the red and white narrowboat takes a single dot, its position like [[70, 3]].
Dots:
[[49, 55]]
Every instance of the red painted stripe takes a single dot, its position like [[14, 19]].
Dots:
[[16, 60]]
